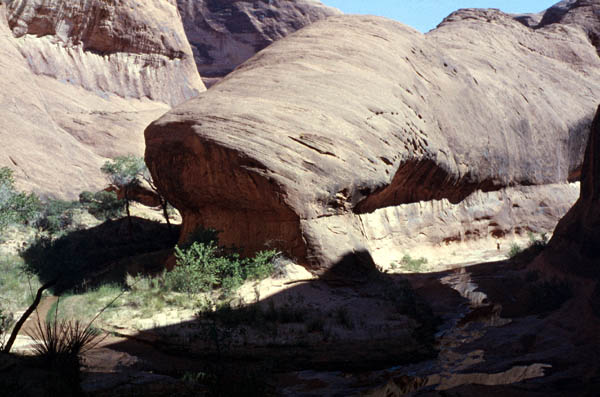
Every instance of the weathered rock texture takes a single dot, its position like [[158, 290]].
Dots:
[[80, 80], [225, 33], [354, 114]]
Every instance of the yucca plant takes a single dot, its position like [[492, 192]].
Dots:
[[64, 340]]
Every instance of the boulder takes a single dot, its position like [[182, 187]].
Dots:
[[224, 34], [79, 81], [355, 114]]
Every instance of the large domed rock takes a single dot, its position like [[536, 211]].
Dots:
[[79, 81], [225, 33], [305, 143]]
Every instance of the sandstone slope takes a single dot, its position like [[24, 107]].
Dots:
[[79, 83], [223, 34], [351, 115]]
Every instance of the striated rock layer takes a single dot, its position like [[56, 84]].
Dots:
[[80, 80], [223, 34], [354, 114]]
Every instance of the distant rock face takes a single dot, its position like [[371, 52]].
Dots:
[[225, 33], [582, 13], [353, 115], [121, 47], [80, 80]]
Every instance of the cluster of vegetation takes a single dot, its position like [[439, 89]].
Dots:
[[204, 266], [536, 244], [409, 264], [15, 206], [57, 216], [6, 322], [51, 215]]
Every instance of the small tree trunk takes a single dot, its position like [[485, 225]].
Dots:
[[164, 204], [19, 324]]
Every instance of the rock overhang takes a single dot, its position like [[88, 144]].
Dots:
[[353, 113]]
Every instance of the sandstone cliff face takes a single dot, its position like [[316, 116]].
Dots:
[[575, 246], [123, 47], [355, 114], [223, 34], [80, 80]]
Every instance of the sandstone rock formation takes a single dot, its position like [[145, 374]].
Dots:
[[355, 114], [575, 246], [582, 13], [79, 81], [223, 34]]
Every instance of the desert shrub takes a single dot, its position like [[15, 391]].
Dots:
[[540, 242], [413, 265], [204, 266], [15, 207], [6, 322], [103, 205], [17, 285], [56, 215], [261, 265], [515, 249]]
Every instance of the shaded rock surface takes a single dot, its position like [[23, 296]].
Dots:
[[575, 246], [80, 81], [223, 34], [354, 114]]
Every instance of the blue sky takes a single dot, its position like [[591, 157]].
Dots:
[[424, 15]]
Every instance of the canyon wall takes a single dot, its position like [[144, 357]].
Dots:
[[80, 80]]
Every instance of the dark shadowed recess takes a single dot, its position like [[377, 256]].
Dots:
[[102, 254], [425, 180]]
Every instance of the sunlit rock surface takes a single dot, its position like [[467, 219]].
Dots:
[[354, 114], [80, 81]]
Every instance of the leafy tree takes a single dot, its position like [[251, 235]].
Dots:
[[15, 206], [125, 173]]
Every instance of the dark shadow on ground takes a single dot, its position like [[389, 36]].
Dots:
[[541, 330], [102, 254], [220, 344]]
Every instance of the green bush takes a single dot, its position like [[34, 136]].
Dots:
[[15, 207], [57, 215], [413, 265], [203, 266], [515, 249], [103, 205], [6, 322]]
